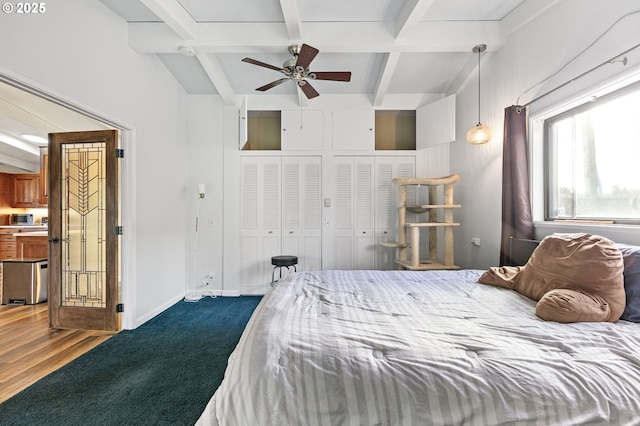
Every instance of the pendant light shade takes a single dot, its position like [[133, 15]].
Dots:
[[479, 133]]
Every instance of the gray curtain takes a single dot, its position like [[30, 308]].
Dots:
[[516, 202]]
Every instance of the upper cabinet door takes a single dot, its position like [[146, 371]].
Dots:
[[436, 123], [243, 122], [353, 130], [302, 130]]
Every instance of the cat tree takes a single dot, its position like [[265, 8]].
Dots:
[[409, 233]]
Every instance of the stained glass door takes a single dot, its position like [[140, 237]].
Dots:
[[83, 241]]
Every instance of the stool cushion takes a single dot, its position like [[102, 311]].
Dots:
[[284, 260]]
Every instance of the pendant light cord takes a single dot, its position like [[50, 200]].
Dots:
[[479, 51]]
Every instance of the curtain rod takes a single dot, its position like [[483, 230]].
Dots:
[[617, 21], [609, 61]]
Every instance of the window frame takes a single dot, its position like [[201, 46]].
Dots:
[[549, 160]]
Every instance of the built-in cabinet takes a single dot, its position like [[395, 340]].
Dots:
[[283, 208], [11, 248], [280, 214], [302, 130], [26, 191], [353, 130], [365, 209]]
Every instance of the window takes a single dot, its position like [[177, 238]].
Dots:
[[592, 160]]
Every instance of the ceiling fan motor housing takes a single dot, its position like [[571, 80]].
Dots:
[[297, 69]]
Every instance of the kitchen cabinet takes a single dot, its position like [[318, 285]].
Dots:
[[353, 130], [26, 191], [29, 246], [365, 212], [280, 214], [9, 244], [302, 130]]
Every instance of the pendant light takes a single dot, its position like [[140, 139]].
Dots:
[[479, 133]]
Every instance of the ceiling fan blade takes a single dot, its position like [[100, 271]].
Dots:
[[306, 55], [333, 75], [261, 64], [272, 84], [308, 90]]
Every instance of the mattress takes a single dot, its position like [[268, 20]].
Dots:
[[422, 347]]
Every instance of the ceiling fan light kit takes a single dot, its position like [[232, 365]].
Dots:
[[297, 70], [479, 133]]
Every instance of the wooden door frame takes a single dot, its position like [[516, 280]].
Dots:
[[128, 269], [106, 318]]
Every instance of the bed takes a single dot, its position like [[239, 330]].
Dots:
[[413, 348]]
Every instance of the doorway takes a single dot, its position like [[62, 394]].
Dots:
[[31, 94]]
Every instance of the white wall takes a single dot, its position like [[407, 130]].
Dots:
[[206, 133], [214, 159], [534, 53], [78, 50]]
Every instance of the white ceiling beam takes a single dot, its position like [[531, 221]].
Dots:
[[463, 75], [20, 164], [411, 13], [292, 19], [328, 37], [217, 76], [382, 85], [174, 16], [527, 11]]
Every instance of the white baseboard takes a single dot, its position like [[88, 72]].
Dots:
[[139, 321]]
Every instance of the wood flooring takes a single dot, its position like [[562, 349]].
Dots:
[[29, 349]]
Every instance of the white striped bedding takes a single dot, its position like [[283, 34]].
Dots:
[[422, 348]]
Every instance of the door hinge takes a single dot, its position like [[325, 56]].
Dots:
[[120, 307], [119, 230], [119, 153]]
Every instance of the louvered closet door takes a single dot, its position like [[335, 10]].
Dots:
[[302, 211], [354, 213], [386, 205], [260, 221]]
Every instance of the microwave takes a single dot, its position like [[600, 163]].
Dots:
[[22, 219]]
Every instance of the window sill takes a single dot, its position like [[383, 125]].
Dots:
[[628, 234]]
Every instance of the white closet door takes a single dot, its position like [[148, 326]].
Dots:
[[260, 223], [354, 213], [386, 205], [364, 213], [302, 215], [343, 213]]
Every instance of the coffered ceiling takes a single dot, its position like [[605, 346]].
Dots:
[[390, 46]]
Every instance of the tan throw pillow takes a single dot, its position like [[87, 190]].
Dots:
[[574, 277]]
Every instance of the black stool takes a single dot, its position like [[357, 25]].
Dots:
[[282, 262]]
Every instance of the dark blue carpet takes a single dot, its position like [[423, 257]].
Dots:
[[162, 373]]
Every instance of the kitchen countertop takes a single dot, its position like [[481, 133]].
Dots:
[[32, 234], [24, 226]]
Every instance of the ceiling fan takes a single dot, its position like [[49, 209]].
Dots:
[[297, 69]]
